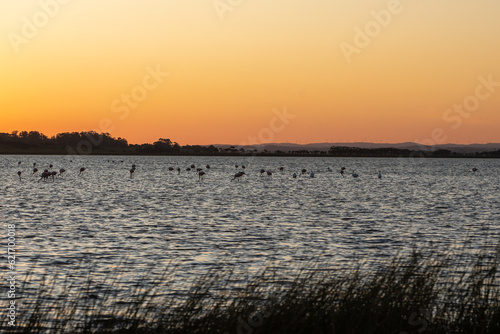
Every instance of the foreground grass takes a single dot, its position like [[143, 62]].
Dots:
[[411, 294]]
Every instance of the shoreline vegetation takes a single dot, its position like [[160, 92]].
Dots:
[[413, 293], [93, 143]]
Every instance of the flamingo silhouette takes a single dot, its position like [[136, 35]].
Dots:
[[45, 175], [19, 174], [238, 175], [81, 171], [200, 175]]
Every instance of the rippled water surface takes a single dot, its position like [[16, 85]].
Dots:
[[106, 218]]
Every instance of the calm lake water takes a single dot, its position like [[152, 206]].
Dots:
[[105, 220]]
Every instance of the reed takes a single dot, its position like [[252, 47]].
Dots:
[[415, 293]]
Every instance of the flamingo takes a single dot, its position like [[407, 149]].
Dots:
[[19, 163], [53, 174], [45, 175], [132, 170], [50, 166], [200, 175], [269, 173], [262, 171], [178, 170], [199, 169], [236, 166], [207, 166], [243, 166], [282, 169], [303, 171], [238, 175], [81, 171], [35, 170], [342, 171], [61, 171], [474, 169], [34, 164], [193, 166], [188, 169], [19, 174], [170, 168]]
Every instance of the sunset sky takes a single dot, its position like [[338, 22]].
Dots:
[[79, 65]]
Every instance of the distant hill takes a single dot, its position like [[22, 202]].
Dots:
[[286, 147]]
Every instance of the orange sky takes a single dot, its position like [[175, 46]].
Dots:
[[70, 65]]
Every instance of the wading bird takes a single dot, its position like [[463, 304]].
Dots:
[[262, 171], [282, 169], [474, 169], [61, 171], [132, 171], [35, 170], [238, 175], [45, 175], [269, 173], [81, 171], [170, 168], [178, 170], [303, 171], [200, 175], [19, 174], [379, 175], [193, 166], [342, 171], [207, 166]]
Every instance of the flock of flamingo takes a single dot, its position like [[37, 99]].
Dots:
[[48, 173]]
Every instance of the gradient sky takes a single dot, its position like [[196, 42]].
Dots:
[[229, 70]]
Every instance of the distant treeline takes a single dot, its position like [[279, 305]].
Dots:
[[90, 142]]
